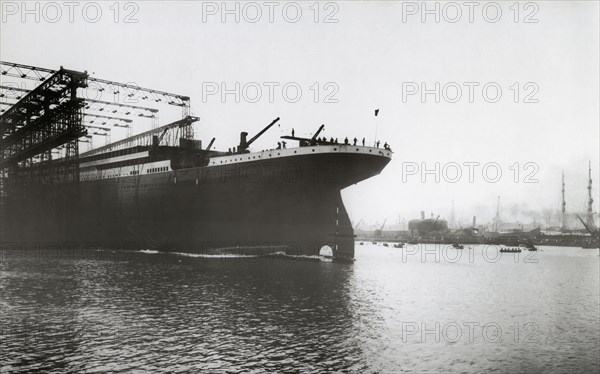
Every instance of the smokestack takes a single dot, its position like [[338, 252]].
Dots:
[[422, 214], [243, 141], [474, 221]]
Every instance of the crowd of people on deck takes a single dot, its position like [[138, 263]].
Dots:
[[324, 141], [321, 141]]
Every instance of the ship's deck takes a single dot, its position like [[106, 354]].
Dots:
[[290, 152]]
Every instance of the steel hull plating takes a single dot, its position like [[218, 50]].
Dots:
[[290, 204]]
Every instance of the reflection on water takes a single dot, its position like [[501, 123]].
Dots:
[[417, 309]]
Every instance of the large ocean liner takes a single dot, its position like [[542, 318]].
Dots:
[[145, 194]]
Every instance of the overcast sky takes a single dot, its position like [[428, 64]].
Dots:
[[360, 56]]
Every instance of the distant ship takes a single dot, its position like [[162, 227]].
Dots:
[[193, 199]]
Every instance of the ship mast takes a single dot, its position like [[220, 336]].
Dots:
[[497, 219], [589, 217], [452, 220], [563, 205]]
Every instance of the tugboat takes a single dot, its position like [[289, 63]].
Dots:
[[529, 246]]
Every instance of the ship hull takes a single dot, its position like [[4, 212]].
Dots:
[[263, 205]]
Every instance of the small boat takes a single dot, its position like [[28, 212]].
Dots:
[[361, 243], [374, 242], [529, 246], [458, 246], [510, 250], [385, 244], [399, 245]]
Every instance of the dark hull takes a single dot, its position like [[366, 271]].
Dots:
[[288, 204]]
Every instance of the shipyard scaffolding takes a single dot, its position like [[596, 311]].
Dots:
[[41, 129]]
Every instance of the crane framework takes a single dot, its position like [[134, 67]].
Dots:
[[54, 118]]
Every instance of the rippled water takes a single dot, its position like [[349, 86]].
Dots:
[[419, 309]]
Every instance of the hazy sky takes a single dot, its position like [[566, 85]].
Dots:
[[359, 56]]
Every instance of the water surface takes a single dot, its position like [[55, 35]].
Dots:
[[425, 309]]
